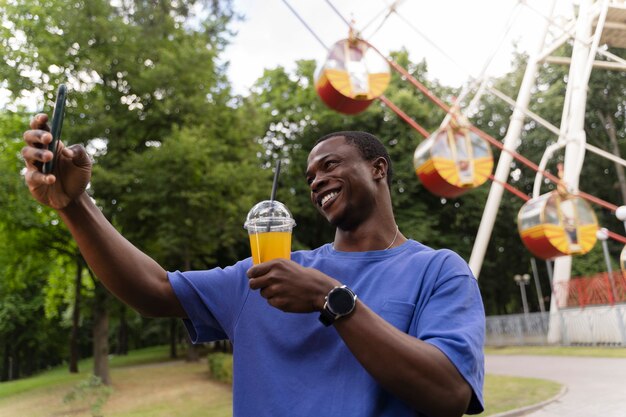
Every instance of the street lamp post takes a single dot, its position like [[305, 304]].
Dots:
[[542, 306], [602, 235], [522, 281]]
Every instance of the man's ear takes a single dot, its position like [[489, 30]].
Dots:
[[379, 168]]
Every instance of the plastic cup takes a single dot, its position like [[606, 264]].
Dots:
[[269, 224]]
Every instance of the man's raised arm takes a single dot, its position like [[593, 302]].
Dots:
[[127, 272]]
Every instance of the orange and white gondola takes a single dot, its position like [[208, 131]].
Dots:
[[352, 76], [452, 161], [554, 225]]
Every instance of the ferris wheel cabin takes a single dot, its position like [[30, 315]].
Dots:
[[352, 76], [452, 161], [551, 226]]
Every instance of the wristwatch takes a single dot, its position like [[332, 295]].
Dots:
[[340, 302]]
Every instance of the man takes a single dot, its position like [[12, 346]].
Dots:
[[374, 324]]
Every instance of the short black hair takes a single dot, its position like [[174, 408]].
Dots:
[[368, 145]]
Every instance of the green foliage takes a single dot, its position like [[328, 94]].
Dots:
[[91, 392], [136, 71], [593, 262], [30, 236], [185, 201], [221, 366], [146, 79]]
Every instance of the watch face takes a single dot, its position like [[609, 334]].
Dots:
[[340, 301]]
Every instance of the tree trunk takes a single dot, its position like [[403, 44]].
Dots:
[[122, 332], [14, 364], [609, 126], [101, 336], [7, 364], [74, 353]]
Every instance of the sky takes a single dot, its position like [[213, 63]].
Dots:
[[456, 37]]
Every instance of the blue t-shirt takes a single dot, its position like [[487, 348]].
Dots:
[[289, 364]]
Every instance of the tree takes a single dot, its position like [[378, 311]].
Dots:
[[34, 249], [187, 199], [135, 71]]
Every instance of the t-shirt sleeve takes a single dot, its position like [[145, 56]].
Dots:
[[212, 299], [453, 320]]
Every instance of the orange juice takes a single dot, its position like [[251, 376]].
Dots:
[[266, 246]]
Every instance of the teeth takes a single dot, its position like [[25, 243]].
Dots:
[[327, 197]]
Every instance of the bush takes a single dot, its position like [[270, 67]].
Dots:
[[91, 392], [221, 366]]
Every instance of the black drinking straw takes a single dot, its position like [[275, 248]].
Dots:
[[275, 183], [273, 195]]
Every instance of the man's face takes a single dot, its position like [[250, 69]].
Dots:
[[341, 181]]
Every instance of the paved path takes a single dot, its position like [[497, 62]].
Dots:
[[595, 386]]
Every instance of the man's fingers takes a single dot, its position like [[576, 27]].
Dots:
[[255, 283], [32, 155], [265, 267], [269, 292], [39, 122], [39, 134], [259, 270], [261, 282], [35, 178], [78, 154], [37, 138], [68, 152]]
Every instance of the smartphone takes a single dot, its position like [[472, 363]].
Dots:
[[55, 128]]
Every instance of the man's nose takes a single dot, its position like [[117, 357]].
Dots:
[[317, 182]]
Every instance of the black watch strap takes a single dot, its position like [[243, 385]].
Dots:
[[326, 317]]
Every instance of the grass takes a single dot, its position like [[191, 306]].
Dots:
[[145, 383], [583, 351], [60, 375], [504, 393]]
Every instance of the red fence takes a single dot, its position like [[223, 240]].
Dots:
[[596, 289]]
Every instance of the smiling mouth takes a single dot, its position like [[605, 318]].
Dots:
[[328, 198]]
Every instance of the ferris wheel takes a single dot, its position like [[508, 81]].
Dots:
[[457, 156], [596, 23]]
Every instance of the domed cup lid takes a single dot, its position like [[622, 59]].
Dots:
[[269, 216]]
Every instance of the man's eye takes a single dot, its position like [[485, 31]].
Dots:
[[330, 164]]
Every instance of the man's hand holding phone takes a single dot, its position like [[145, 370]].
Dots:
[[70, 167]]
